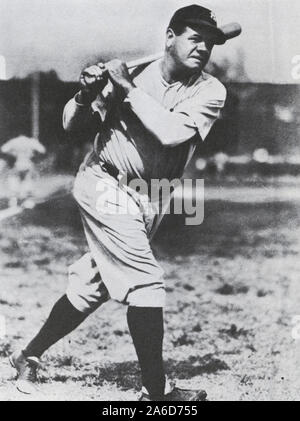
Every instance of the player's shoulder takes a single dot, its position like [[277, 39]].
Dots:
[[212, 86], [147, 72]]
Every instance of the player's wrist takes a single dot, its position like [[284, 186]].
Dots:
[[84, 98]]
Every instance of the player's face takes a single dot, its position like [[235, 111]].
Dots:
[[190, 49]]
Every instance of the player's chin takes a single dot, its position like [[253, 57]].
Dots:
[[195, 64]]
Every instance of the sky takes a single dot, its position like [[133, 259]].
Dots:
[[66, 35]]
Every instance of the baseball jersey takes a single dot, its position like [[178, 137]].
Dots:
[[150, 134], [154, 131]]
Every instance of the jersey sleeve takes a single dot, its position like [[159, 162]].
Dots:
[[204, 108], [77, 116]]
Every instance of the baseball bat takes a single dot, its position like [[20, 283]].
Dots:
[[231, 30], [131, 64]]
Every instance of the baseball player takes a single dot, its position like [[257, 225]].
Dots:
[[147, 127], [22, 150]]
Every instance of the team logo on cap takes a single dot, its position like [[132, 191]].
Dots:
[[213, 16]]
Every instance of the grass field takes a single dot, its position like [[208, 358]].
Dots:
[[233, 289]]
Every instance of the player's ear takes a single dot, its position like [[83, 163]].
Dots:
[[170, 36]]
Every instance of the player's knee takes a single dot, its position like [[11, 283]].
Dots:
[[83, 303], [86, 291]]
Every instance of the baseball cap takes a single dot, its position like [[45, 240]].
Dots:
[[201, 17]]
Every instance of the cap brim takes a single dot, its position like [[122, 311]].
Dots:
[[216, 34]]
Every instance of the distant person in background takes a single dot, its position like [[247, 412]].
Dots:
[[220, 160], [21, 152]]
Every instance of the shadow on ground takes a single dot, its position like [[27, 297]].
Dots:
[[126, 375]]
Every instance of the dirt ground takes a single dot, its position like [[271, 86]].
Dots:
[[233, 290]]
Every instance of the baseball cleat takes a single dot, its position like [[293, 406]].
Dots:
[[26, 368], [143, 395], [177, 394]]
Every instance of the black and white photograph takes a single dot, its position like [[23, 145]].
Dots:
[[149, 202]]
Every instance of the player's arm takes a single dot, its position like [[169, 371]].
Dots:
[[37, 147], [41, 149], [192, 117], [78, 113], [170, 127]]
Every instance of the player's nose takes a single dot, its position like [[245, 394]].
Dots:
[[202, 47]]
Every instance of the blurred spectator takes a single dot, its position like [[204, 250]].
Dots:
[[21, 152]]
